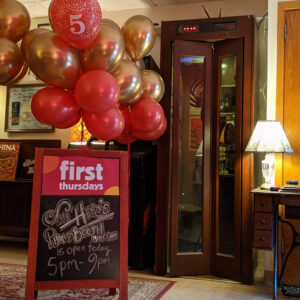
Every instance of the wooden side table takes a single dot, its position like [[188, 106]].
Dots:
[[265, 233]]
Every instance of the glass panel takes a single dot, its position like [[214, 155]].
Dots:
[[190, 154], [227, 156]]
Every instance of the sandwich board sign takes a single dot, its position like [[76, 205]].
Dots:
[[79, 221]]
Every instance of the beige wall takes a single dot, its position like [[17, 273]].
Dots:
[[156, 14]]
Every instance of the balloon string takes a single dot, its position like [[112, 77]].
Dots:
[[82, 131], [128, 151]]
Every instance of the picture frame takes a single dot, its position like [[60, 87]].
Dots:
[[18, 114], [45, 25]]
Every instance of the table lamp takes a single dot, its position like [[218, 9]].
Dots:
[[268, 137]]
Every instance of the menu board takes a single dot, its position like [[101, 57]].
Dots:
[[9, 154], [79, 222]]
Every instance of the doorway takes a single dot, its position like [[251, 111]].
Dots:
[[204, 208]]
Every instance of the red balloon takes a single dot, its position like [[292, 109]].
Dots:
[[146, 115], [126, 114], [106, 126], [152, 135], [69, 123], [97, 91], [125, 137], [52, 105], [77, 22]]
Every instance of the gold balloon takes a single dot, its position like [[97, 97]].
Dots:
[[126, 55], [28, 38], [53, 60], [140, 64], [14, 20], [153, 85], [139, 35], [19, 77], [129, 78], [107, 49], [11, 60]]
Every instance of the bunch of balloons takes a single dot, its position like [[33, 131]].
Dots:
[[94, 70]]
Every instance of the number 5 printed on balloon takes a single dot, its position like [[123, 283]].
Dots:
[[74, 20], [77, 22]]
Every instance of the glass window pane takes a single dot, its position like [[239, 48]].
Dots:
[[191, 153], [227, 156]]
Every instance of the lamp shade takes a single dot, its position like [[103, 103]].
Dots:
[[269, 137]]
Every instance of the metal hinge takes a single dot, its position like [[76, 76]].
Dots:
[[213, 48], [282, 246], [285, 32]]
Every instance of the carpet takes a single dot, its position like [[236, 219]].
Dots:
[[13, 282]]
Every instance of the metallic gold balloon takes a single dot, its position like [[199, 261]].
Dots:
[[129, 78], [19, 77], [106, 51], [28, 38], [153, 85], [126, 55], [140, 64], [139, 35], [11, 60], [14, 20], [53, 60]]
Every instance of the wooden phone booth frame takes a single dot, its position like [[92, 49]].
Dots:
[[212, 29]]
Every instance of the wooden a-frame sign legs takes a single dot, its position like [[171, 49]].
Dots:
[[79, 222]]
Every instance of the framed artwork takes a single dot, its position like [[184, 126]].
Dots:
[[18, 115], [45, 25], [9, 154]]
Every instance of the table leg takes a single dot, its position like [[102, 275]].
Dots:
[[275, 252]]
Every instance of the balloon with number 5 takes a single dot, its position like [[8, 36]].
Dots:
[[77, 22]]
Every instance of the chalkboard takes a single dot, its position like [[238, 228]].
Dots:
[[79, 221], [78, 238]]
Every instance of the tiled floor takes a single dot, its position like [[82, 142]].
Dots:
[[184, 289]]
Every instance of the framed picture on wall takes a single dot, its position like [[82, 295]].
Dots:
[[18, 115], [45, 25]]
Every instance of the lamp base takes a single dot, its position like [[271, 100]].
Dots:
[[265, 186], [267, 170]]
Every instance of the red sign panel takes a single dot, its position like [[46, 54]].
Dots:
[[69, 175]]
